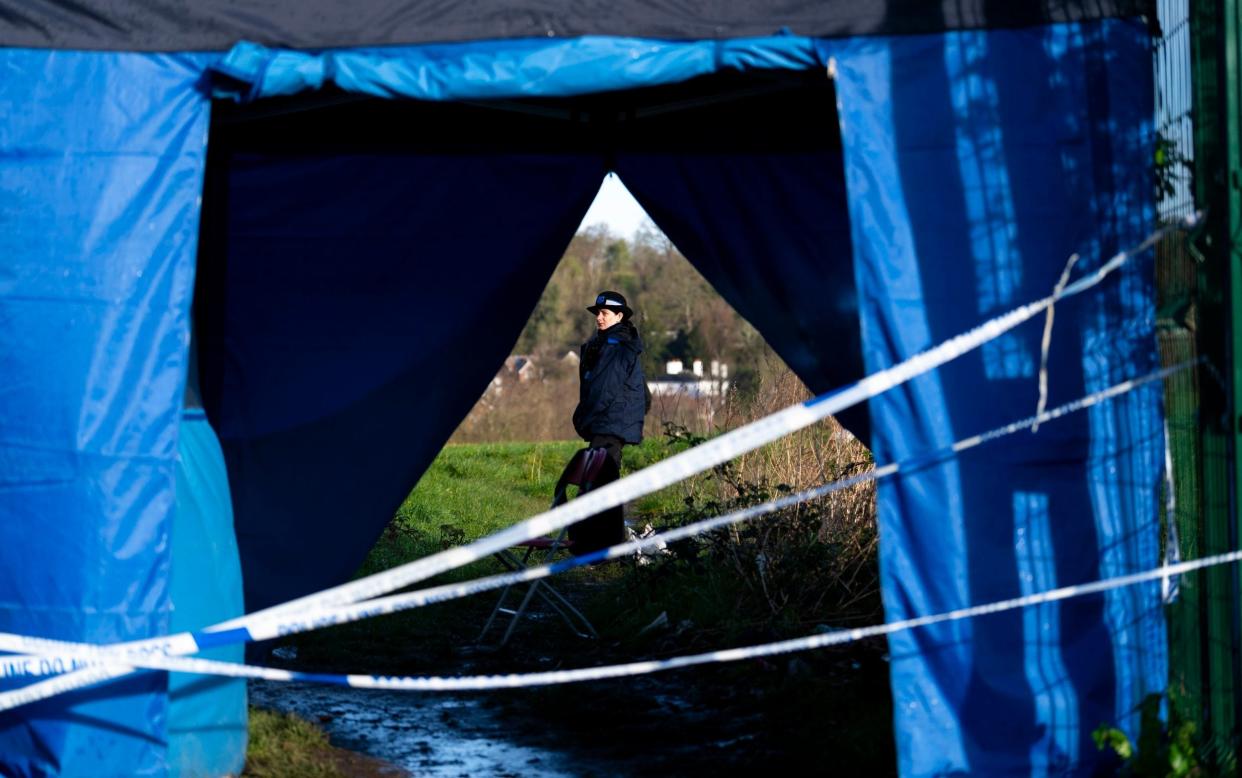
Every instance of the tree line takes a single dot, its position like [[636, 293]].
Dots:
[[677, 312]]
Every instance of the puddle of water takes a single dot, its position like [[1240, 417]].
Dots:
[[420, 733]]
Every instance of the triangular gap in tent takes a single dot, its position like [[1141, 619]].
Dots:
[[366, 265]]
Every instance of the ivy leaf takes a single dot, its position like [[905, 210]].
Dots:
[[1111, 737]]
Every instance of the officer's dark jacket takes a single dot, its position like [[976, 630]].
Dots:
[[612, 394]]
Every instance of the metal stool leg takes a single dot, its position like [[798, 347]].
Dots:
[[557, 602], [517, 616], [511, 562]]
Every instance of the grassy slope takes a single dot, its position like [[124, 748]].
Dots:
[[468, 492], [473, 490]]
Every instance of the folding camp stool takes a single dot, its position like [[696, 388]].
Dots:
[[582, 470]]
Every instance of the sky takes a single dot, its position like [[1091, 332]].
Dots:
[[615, 207]]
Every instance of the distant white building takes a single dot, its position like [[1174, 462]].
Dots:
[[676, 381]]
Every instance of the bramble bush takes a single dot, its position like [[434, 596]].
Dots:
[[812, 563]]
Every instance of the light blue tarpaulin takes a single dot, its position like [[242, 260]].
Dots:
[[508, 69], [206, 714], [972, 165]]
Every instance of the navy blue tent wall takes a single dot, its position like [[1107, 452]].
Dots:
[[330, 405], [972, 165]]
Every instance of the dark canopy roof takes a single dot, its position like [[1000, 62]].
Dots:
[[203, 25]]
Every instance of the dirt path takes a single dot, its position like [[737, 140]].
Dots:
[[422, 735], [476, 735], [689, 722], [814, 712]]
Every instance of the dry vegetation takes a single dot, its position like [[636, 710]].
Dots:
[[808, 564], [539, 409]]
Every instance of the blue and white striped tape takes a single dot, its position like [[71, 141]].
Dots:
[[658, 476], [518, 680], [57, 656]]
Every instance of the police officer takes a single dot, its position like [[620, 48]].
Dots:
[[612, 393]]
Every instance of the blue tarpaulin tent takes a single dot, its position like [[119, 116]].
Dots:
[[871, 180]]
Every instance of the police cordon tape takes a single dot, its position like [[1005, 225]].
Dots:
[[59, 656], [65, 651], [823, 640], [650, 479]]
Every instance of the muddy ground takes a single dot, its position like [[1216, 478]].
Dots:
[[822, 712]]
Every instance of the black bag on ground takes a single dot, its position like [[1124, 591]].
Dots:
[[587, 469]]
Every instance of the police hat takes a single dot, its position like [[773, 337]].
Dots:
[[613, 301]]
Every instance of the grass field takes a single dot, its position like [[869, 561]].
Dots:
[[474, 490], [469, 491], [778, 576]]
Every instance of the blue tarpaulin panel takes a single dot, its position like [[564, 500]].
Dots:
[[351, 322], [101, 165], [978, 162]]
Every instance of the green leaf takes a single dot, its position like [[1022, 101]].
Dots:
[[1179, 763], [1111, 737]]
